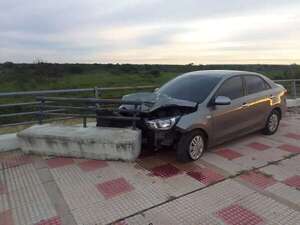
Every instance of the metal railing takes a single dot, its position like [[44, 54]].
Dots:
[[15, 110], [88, 108], [293, 87]]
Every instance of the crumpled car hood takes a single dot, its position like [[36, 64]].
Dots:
[[154, 101]]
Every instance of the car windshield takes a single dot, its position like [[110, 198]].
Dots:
[[190, 87]]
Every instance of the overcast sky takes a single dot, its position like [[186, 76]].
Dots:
[[150, 31]]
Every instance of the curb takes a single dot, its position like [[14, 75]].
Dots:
[[9, 142]]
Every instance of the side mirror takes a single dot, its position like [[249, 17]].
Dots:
[[222, 100]]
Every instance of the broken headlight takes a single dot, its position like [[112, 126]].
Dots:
[[162, 124]]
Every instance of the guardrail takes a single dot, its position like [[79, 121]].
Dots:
[[293, 87], [17, 109], [87, 108]]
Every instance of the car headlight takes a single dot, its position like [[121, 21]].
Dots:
[[162, 124]]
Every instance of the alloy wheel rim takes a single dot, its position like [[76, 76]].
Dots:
[[273, 122], [196, 147]]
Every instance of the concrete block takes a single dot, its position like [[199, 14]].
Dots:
[[293, 102], [8, 142], [92, 142]]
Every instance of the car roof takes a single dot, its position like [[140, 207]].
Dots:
[[220, 73]]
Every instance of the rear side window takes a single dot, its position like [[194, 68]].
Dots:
[[232, 88], [255, 84]]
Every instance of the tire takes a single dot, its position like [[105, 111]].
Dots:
[[272, 123], [185, 152]]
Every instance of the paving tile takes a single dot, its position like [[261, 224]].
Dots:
[[220, 162], [253, 160], [114, 188], [293, 181], [269, 155], [228, 153], [237, 215], [51, 221], [278, 172], [182, 184], [258, 179], [82, 196], [59, 162], [290, 148], [3, 188], [285, 192], [20, 177], [29, 196], [92, 165], [165, 171], [151, 162], [15, 159], [293, 136], [196, 208], [258, 146], [4, 202], [292, 164], [6, 218], [272, 211], [206, 176]]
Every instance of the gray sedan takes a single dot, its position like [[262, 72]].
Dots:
[[200, 109]]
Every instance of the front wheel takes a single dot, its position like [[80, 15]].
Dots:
[[272, 123], [191, 146]]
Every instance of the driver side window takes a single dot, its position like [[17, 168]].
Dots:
[[232, 88]]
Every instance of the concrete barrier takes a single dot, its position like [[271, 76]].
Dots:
[[8, 142], [293, 102], [91, 142]]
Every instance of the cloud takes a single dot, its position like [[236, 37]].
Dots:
[[147, 31]]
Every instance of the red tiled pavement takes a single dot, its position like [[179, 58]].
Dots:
[[237, 215], [293, 136], [165, 171], [113, 188], [16, 161], [258, 179], [59, 162], [206, 176], [92, 165], [52, 221], [228, 153], [3, 189], [290, 148], [258, 146], [282, 124], [293, 181], [6, 218]]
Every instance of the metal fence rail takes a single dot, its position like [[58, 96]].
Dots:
[[87, 108], [293, 87], [17, 110]]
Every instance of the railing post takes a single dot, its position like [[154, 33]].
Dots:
[[96, 90], [134, 116], [84, 122], [84, 115], [41, 113], [294, 89]]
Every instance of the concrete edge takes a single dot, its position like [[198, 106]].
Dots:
[[9, 142], [293, 102]]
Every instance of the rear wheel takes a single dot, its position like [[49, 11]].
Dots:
[[191, 146], [272, 123]]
